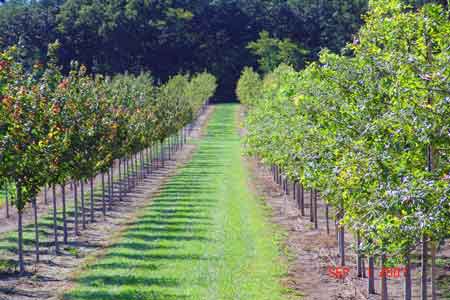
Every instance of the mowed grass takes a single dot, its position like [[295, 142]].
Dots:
[[205, 236]]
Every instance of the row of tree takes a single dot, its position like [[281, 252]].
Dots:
[[370, 130], [55, 129]]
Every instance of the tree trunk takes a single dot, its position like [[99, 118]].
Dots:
[[45, 195], [371, 280], [36, 229], [120, 179], [294, 191], [136, 166], [112, 184], [162, 153], [342, 234], [109, 190], [327, 217], [433, 272], [127, 160], [55, 223], [169, 147], [103, 195], [316, 222], [20, 231], [424, 268], [83, 215], [302, 200], [336, 227], [407, 281], [358, 255], [311, 205], [363, 266], [151, 159], [63, 196], [384, 288], [75, 198], [91, 183], [7, 203], [142, 167]]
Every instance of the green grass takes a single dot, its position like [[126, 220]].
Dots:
[[204, 237], [8, 240]]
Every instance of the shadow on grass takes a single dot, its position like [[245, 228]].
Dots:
[[129, 294]]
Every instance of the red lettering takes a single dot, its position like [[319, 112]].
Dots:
[[338, 272]]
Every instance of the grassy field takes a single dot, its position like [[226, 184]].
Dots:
[[204, 237]]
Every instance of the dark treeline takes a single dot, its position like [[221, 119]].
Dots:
[[168, 36]]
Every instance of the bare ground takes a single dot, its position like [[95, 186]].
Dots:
[[54, 274]]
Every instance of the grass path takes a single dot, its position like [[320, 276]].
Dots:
[[204, 237]]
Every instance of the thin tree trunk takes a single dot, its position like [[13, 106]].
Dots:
[[91, 183], [7, 203], [133, 172], [45, 195], [336, 227], [125, 175], [136, 167], [327, 217], [407, 281], [363, 266], [311, 205], [162, 154], [302, 200], [140, 165], [294, 191], [384, 288], [109, 190], [75, 197], [342, 234], [151, 159], [424, 268], [433, 272], [112, 183], [20, 231], [316, 223], [83, 215], [55, 223], [358, 255], [371, 280], [63, 196], [127, 160], [36, 229], [120, 179], [103, 195]]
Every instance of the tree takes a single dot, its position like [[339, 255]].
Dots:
[[272, 52]]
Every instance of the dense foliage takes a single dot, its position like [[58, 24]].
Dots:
[[56, 128], [371, 129], [167, 36]]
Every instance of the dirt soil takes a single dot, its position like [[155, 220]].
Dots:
[[311, 251], [50, 278]]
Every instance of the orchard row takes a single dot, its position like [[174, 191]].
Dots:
[[369, 129], [56, 129]]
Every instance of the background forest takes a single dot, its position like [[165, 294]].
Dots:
[[169, 36]]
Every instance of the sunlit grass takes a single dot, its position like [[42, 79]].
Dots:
[[204, 237]]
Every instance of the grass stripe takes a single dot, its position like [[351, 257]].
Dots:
[[204, 237]]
